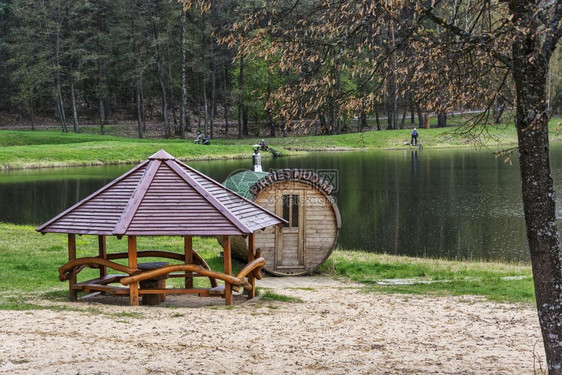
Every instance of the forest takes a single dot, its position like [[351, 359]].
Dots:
[[210, 67], [274, 67]]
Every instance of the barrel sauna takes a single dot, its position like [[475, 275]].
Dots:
[[302, 198]]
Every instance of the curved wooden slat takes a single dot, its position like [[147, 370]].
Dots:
[[197, 259], [183, 267], [254, 267], [148, 253], [96, 262]]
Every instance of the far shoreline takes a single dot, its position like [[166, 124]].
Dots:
[[38, 149]]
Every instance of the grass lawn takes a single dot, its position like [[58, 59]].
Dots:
[[30, 262], [382, 273], [35, 149]]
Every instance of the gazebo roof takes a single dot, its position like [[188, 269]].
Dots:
[[240, 182], [162, 196]]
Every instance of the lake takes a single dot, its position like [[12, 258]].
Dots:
[[454, 204]]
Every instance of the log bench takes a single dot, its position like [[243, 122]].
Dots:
[[152, 277]]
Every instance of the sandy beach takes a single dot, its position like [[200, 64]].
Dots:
[[336, 329]]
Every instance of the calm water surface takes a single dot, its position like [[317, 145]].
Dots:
[[455, 204]]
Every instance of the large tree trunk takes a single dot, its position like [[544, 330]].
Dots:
[[270, 121], [442, 118], [213, 67], [530, 69], [138, 105], [60, 107], [74, 108], [137, 75], [421, 122], [183, 104], [225, 97], [240, 96], [161, 79]]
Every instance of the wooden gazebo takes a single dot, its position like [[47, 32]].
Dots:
[[161, 197]]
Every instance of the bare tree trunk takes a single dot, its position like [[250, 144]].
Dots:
[[362, 123], [421, 123], [270, 121], [58, 89], [60, 109], [138, 105], [205, 109], [377, 119], [392, 87], [183, 104], [102, 117], [538, 189], [442, 118], [240, 96], [213, 62], [137, 75], [225, 98], [74, 109], [160, 68]]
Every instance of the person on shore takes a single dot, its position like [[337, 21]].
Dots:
[[414, 141]]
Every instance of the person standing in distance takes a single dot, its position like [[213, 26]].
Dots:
[[414, 141]]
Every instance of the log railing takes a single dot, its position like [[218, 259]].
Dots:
[[77, 265], [197, 259], [253, 267], [135, 275]]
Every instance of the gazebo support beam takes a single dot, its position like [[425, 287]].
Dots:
[[188, 251], [134, 287], [72, 292], [102, 254], [227, 269], [251, 257]]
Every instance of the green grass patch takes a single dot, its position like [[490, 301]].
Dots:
[[272, 296], [30, 262], [451, 136], [35, 149], [50, 148], [395, 274]]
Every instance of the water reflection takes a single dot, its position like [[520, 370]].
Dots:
[[455, 204]]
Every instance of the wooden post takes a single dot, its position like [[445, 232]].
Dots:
[[102, 254], [188, 251], [134, 287], [227, 269], [251, 256], [72, 293]]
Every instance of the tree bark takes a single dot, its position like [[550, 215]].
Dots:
[[213, 61], [270, 121], [441, 118], [240, 96], [137, 74], [183, 104], [74, 109], [377, 119], [161, 79], [530, 76], [225, 98], [421, 122]]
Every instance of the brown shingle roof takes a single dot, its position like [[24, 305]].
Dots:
[[162, 196]]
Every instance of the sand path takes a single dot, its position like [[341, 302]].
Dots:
[[337, 329]]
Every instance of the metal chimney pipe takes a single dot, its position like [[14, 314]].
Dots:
[[256, 161]]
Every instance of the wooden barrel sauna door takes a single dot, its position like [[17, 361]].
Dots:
[[290, 251]]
